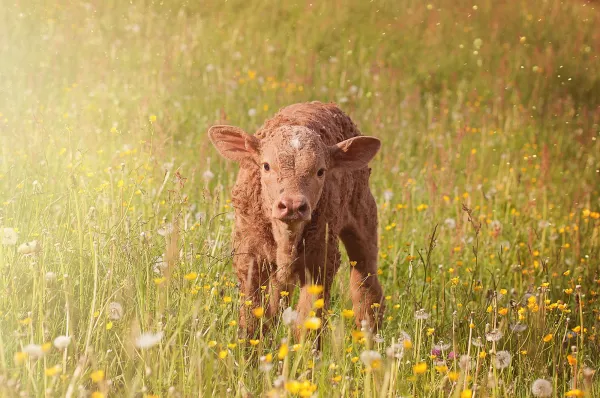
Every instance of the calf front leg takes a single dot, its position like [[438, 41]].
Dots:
[[252, 274]]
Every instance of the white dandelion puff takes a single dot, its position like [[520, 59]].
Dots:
[[450, 223], [8, 236], [421, 315], [208, 175], [289, 316], [62, 342], [115, 311], [388, 194], [493, 335], [251, 112], [541, 388], [370, 358], [502, 359], [34, 350], [165, 230], [148, 339]]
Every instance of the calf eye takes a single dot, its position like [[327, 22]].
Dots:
[[266, 166], [321, 172]]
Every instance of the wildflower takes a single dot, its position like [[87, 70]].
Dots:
[[222, 354], [453, 376], [466, 394], [208, 175], [547, 338], [165, 230], [152, 118], [572, 360], [19, 357], [450, 223], [421, 315], [62, 342], [34, 350], [493, 335], [97, 394], [97, 376], [541, 388], [518, 327], [252, 112], [258, 312], [575, 393], [29, 247], [283, 351], [388, 194], [266, 362], [50, 276], [315, 289], [465, 362], [148, 339], [371, 359], [289, 316], [212, 343], [52, 371], [312, 323], [347, 313], [502, 359], [115, 311], [320, 303], [420, 368], [254, 342], [8, 236]]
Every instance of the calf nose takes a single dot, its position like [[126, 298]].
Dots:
[[291, 208]]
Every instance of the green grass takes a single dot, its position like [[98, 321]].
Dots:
[[487, 184]]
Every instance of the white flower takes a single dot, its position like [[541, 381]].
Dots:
[[208, 175], [251, 112], [477, 43], [388, 195], [421, 315], [493, 335], [289, 316], [377, 338], [148, 339], [265, 365], [62, 342], [8, 236], [465, 362], [441, 346], [541, 388], [450, 223], [50, 276], [210, 67], [165, 230], [518, 327], [370, 358], [29, 247], [34, 350], [502, 359], [115, 311]]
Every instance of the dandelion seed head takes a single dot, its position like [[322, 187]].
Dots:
[[148, 339], [493, 335], [541, 388], [421, 314], [115, 311], [8, 236], [502, 359], [62, 342], [289, 316]]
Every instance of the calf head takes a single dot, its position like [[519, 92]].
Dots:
[[294, 164]]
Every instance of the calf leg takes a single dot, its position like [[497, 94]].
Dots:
[[321, 274], [360, 239], [252, 274]]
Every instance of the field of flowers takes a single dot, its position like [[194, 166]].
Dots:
[[115, 218]]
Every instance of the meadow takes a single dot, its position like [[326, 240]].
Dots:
[[115, 218]]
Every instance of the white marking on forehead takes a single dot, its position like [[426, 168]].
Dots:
[[295, 143]]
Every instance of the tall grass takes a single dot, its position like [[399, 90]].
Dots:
[[487, 184]]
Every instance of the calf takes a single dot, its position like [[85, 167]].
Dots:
[[302, 184]]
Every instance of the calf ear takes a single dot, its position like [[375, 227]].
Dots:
[[354, 153], [233, 142]]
